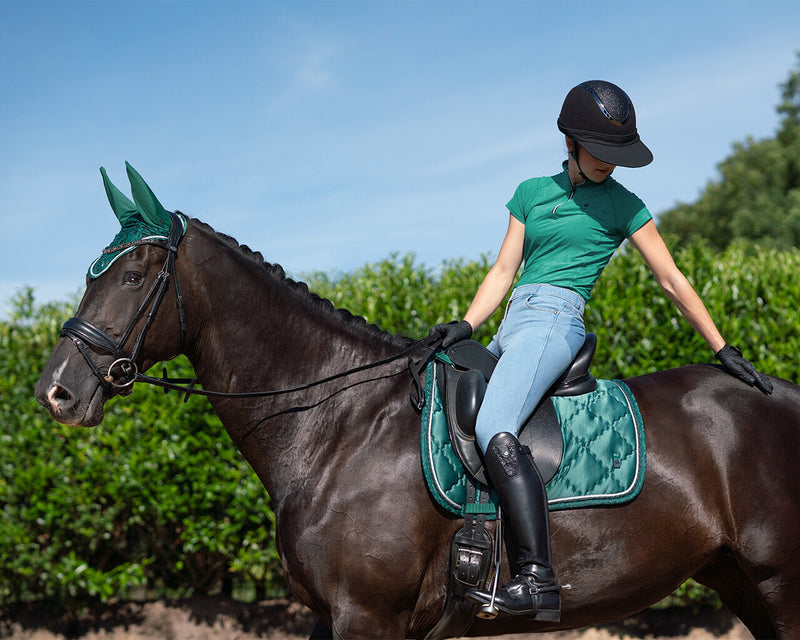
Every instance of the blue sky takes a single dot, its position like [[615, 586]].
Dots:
[[330, 134]]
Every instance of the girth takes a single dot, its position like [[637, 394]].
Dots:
[[462, 378]]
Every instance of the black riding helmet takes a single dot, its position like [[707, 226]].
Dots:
[[599, 116]]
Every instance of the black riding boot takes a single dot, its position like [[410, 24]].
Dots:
[[534, 591]]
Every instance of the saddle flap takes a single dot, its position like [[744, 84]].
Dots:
[[469, 393], [462, 435], [469, 354], [542, 435]]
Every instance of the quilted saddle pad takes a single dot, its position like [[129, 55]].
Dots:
[[604, 456]]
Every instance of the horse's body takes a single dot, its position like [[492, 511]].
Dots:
[[361, 540]]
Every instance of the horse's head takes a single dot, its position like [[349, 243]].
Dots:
[[121, 325]]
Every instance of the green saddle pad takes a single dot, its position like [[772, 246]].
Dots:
[[604, 451]]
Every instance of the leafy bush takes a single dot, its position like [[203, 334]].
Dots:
[[751, 292], [156, 497], [159, 499], [404, 297]]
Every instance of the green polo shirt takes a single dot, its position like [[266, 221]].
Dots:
[[572, 232]]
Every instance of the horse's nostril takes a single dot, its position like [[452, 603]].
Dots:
[[59, 397]]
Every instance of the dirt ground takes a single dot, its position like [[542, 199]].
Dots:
[[224, 619]]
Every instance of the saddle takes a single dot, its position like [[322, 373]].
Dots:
[[462, 380]]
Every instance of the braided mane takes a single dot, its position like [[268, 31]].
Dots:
[[301, 289]]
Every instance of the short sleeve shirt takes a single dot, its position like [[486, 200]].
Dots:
[[572, 232]]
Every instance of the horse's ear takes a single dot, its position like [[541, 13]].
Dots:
[[146, 201], [123, 208]]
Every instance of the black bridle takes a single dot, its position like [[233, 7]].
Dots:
[[123, 372]]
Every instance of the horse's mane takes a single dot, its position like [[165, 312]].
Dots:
[[301, 289]]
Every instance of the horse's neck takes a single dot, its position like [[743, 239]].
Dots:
[[260, 333], [264, 332]]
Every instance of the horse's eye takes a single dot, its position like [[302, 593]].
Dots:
[[132, 277]]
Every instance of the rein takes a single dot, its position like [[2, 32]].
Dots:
[[186, 385], [80, 331]]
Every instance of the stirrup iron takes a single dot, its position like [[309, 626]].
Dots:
[[489, 611]]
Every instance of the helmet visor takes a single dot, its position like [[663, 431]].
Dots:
[[631, 154]]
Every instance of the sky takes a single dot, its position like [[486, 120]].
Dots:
[[331, 134]]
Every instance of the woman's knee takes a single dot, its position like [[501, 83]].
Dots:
[[484, 433]]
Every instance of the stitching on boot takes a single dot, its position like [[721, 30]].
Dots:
[[508, 458]]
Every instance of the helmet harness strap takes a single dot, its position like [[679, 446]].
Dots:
[[574, 153]]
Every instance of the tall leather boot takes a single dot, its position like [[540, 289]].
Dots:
[[534, 591]]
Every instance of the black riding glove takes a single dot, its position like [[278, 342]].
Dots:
[[450, 332], [731, 358]]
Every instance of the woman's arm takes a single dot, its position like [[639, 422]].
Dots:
[[500, 277], [649, 243]]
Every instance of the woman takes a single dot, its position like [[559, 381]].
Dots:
[[565, 228]]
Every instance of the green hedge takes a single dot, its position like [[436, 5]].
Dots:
[[752, 293], [157, 500]]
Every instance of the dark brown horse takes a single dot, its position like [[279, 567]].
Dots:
[[362, 542]]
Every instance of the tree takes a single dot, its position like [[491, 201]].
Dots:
[[757, 198]]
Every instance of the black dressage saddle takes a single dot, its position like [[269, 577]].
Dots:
[[462, 386]]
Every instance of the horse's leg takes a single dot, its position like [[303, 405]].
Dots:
[[363, 554], [738, 593], [738, 462], [756, 446], [780, 593], [775, 569], [321, 632], [764, 494], [769, 606]]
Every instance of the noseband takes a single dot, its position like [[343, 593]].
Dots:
[[121, 373]]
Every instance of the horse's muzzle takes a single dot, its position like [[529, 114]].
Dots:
[[69, 391]]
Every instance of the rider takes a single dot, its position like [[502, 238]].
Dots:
[[565, 229]]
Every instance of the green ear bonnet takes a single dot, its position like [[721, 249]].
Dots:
[[144, 219]]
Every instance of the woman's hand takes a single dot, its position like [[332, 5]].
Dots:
[[450, 332], [731, 358]]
